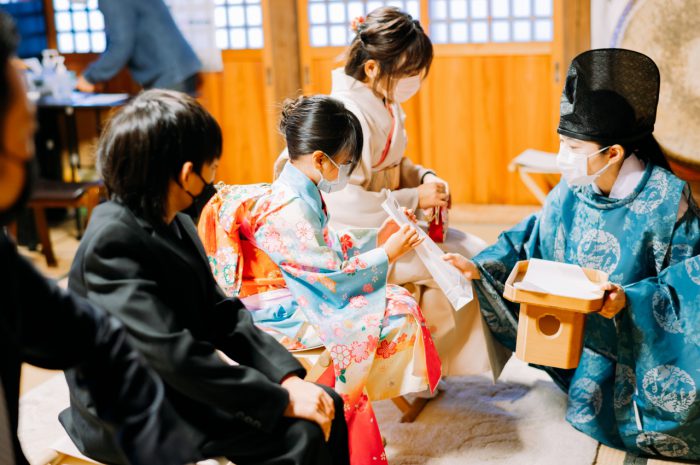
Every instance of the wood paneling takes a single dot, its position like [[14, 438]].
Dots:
[[475, 112], [281, 58], [481, 105], [478, 113], [236, 98]]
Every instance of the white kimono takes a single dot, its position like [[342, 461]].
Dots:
[[458, 335]]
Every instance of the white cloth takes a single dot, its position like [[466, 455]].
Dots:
[[629, 177]]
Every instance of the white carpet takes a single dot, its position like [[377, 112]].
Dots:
[[39, 428], [519, 421]]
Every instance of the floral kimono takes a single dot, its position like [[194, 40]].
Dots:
[[637, 379], [308, 285], [458, 335]]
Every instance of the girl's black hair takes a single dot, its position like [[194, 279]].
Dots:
[[396, 41], [321, 123], [146, 143]]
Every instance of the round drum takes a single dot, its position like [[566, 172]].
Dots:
[[668, 31]]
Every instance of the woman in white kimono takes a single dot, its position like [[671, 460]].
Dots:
[[386, 62]]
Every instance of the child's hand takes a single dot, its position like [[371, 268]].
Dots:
[[615, 300], [466, 266], [390, 226], [402, 241], [410, 215], [387, 228]]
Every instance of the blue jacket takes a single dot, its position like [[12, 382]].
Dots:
[[143, 35]]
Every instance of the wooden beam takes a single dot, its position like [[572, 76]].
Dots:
[[572, 35], [281, 61]]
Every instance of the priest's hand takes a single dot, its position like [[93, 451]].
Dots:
[[463, 264], [309, 402], [614, 301]]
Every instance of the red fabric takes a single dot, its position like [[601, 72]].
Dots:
[[389, 139], [365, 440]]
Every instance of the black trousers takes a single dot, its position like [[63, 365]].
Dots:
[[293, 442]]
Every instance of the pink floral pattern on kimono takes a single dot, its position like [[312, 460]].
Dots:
[[375, 333]]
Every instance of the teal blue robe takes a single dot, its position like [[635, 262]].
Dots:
[[632, 239]]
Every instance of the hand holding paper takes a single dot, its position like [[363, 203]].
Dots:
[[455, 286], [463, 264], [615, 300], [402, 241]]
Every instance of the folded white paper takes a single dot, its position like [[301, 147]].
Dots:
[[452, 282], [560, 279]]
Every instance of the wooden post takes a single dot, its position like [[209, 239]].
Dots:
[[572, 35], [281, 61]]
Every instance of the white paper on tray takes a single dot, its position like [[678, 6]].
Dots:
[[560, 279], [456, 287]]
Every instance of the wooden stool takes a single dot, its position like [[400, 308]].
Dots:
[[59, 194], [536, 162]]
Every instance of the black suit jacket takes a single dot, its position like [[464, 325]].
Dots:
[[45, 326], [160, 286]]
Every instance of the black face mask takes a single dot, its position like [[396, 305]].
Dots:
[[11, 213], [200, 201]]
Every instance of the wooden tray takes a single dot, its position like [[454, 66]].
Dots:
[[548, 300]]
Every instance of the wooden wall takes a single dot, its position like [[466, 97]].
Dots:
[[480, 106]]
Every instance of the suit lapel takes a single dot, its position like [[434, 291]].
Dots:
[[167, 244]]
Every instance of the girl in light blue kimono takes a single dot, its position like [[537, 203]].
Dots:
[[307, 284], [620, 210]]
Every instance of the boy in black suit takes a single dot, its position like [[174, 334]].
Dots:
[[142, 261]]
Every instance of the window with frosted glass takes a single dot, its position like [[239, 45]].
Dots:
[[80, 27], [329, 20], [239, 24], [482, 21]]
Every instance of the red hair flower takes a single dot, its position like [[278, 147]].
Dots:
[[356, 23]]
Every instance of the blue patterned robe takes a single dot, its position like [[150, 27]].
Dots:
[[631, 239]]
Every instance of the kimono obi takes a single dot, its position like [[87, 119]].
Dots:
[[260, 273], [240, 267]]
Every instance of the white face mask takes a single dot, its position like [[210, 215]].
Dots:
[[574, 166], [340, 182], [407, 88]]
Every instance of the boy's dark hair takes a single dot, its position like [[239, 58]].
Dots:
[[395, 41], [321, 123], [146, 143]]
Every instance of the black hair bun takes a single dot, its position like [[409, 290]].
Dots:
[[289, 109]]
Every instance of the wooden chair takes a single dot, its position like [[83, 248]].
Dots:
[[59, 194], [316, 361]]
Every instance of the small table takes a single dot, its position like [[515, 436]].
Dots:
[[80, 101], [538, 162]]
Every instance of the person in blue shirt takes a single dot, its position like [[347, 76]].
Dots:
[[142, 35]]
